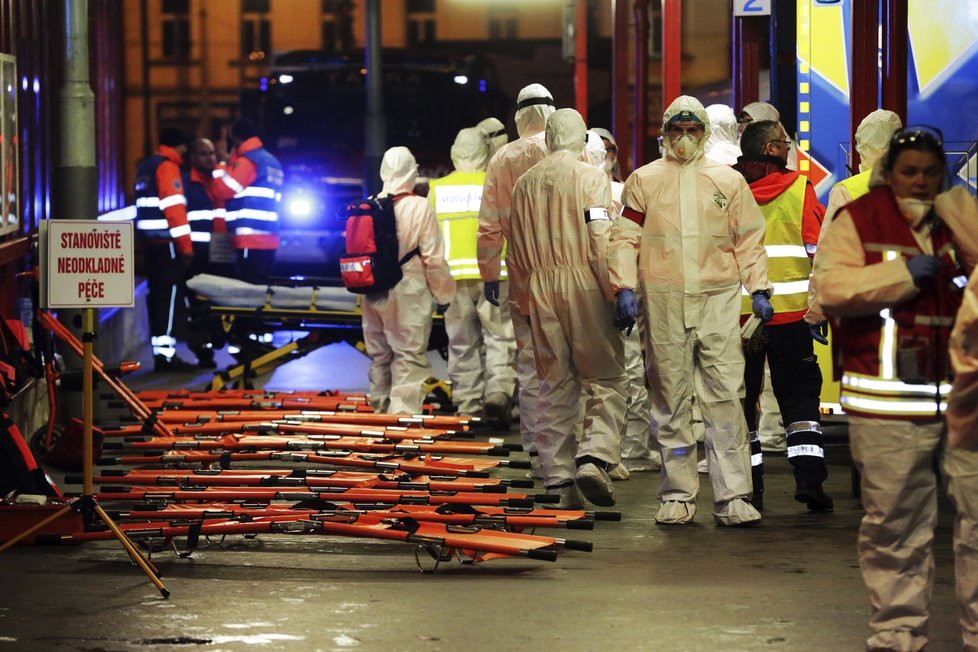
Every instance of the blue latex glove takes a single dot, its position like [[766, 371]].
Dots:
[[491, 291], [441, 308], [819, 332], [923, 268], [626, 310], [762, 307]]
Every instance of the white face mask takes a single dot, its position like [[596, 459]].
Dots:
[[685, 146], [914, 209]]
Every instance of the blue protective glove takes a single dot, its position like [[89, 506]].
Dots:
[[491, 291], [922, 268], [440, 308], [762, 307], [626, 310], [819, 332]]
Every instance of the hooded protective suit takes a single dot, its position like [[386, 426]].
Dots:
[[396, 324], [495, 131], [636, 453], [535, 104], [558, 235], [481, 344], [722, 145], [697, 234], [765, 111]]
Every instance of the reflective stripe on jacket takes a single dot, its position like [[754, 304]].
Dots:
[[456, 199], [788, 263]]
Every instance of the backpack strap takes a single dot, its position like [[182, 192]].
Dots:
[[409, 255]]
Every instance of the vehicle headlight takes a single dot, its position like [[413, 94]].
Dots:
[[300, 207]]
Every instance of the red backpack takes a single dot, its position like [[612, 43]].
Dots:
[[371, 263]]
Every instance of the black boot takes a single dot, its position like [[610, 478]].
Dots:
[[814, 497]]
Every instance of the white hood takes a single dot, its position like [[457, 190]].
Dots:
[[398, 171], [533, 109], [566, 131], [684, 106], [762, 111], [873, 136], [470, 152], [594, 147], [495, 131]]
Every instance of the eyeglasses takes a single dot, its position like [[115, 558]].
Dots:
[[913, 133], [786, 143]]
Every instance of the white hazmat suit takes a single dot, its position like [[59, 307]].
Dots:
[[495, 131], [696, 235], [397, 323], [558, 236], [534, 106], [722, 145]]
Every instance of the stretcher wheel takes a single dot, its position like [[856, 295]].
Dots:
[[36, 441]]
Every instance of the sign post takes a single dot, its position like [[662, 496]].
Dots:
[[89, 264]]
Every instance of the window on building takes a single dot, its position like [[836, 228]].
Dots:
[[420, 21], [337, 25], [502, 24], [176, 29], [256, 29]]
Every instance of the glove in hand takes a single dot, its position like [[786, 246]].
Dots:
[[441, 308], [491, 291], [922, 268], [762, 307], [626, 310], [819, 332]]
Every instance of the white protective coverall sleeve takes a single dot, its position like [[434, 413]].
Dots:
[[396, 324], [722, 145], [697, 234], [560, 224]]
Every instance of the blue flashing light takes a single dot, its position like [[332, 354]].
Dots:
[[300, 207], [264, 84], [482, 85]]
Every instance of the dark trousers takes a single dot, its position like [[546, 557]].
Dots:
[[165, 280], [797, 382], [206, 332], [255, 265]]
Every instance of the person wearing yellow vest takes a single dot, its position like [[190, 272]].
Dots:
[[793, 218], [481, 343], [886, 272]]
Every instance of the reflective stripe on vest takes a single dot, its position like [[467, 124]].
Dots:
[[150, 220], [456, 199], [200, 210], [788, 264]]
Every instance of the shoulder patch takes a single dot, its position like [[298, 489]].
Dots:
[[177, 185], [720, 199]]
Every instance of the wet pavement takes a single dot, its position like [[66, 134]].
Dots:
[[790, 583]]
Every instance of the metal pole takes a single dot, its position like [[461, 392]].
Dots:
[[672, 54], [148, 140], [864, 81], [580, 58], [641, 81], [619, 85], [75, 179], [895, 41], [375, 128]]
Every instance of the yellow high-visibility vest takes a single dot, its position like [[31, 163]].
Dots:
[[857, 184], [456, 199], [788, 264]]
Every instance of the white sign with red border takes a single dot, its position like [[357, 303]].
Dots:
[[87, 264]]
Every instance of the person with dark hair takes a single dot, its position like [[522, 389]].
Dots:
[[886, 273], [161, 223], [252, 190], [793, 218]]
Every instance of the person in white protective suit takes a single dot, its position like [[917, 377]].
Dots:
[[636, 450], [766, 111], [495, 131], [722, 145], [397, 323], [872, 139], [481, 344], [534, 105], [872, 142], [695, 235], [558, 235]]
